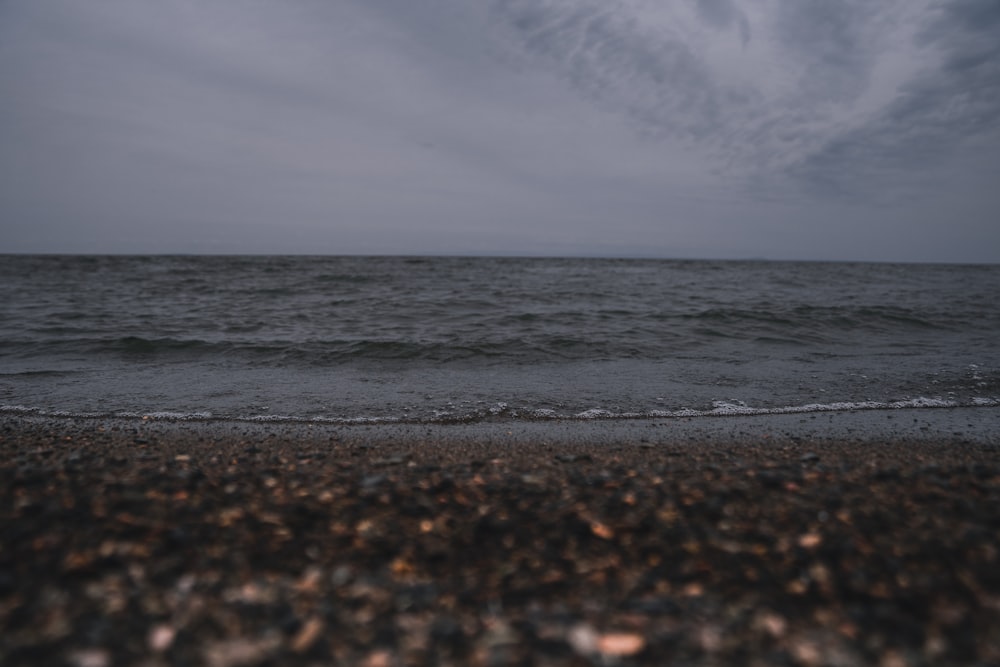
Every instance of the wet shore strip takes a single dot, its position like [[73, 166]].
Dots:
[[144, 542]]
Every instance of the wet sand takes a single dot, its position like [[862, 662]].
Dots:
[[830, 539]]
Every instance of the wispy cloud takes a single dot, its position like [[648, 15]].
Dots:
[[807, 87], [946, 108], [710, 127]]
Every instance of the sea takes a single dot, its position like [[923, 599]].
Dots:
[[354, 340]]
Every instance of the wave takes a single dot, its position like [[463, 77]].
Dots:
[[802, 323], [501, 412], [531, 348], [473, 330]]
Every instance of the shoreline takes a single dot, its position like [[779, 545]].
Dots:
[[960, 425], [848, 538]]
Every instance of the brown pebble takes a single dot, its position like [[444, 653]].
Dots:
[[308, 635], [620, 644]]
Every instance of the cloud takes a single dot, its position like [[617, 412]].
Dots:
[[948, 108], [697, 127], [672, 73], [830, 84], [723, 14], [833, 45], [606, 52], [132, 117]]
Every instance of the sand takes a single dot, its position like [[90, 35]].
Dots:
[[831, 539]]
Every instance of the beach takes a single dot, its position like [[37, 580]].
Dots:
[[840, 539]]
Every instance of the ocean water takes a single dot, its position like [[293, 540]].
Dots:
[[440, 340]]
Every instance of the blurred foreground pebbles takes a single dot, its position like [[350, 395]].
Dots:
[[129, 546]]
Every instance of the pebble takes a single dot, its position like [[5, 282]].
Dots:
[[620, 644], [478, 554], [307, 635], [91, 657], [161, 637]]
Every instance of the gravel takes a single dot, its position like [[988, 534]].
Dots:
[[136, 542]]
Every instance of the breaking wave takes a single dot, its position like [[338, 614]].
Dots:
[[500, 412]]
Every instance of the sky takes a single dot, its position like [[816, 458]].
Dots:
[[773, 129]]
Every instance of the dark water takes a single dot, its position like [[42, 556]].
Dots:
[[442, 339]]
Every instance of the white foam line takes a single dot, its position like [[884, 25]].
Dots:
[[986, 402], [724, 409], [719, 409]]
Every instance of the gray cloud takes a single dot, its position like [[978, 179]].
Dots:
[[945, 111], [815, 127], [723, 14], [657, 71], [705, 127], [833, 43], [606, 53]]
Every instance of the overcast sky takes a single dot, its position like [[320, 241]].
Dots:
[[782, 129]]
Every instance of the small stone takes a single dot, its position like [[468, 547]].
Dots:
[[772, 624], [236, 652], [620, 644], [371, 481], [806, 652], [602, 530], [810, 540], [583, 639], [893, 659], [693, 590], [499, 633], [390, 461], [379, 658], [161, 637], [341, 575], [710, 638], [310, 580], [91, 657], [308, 635]]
